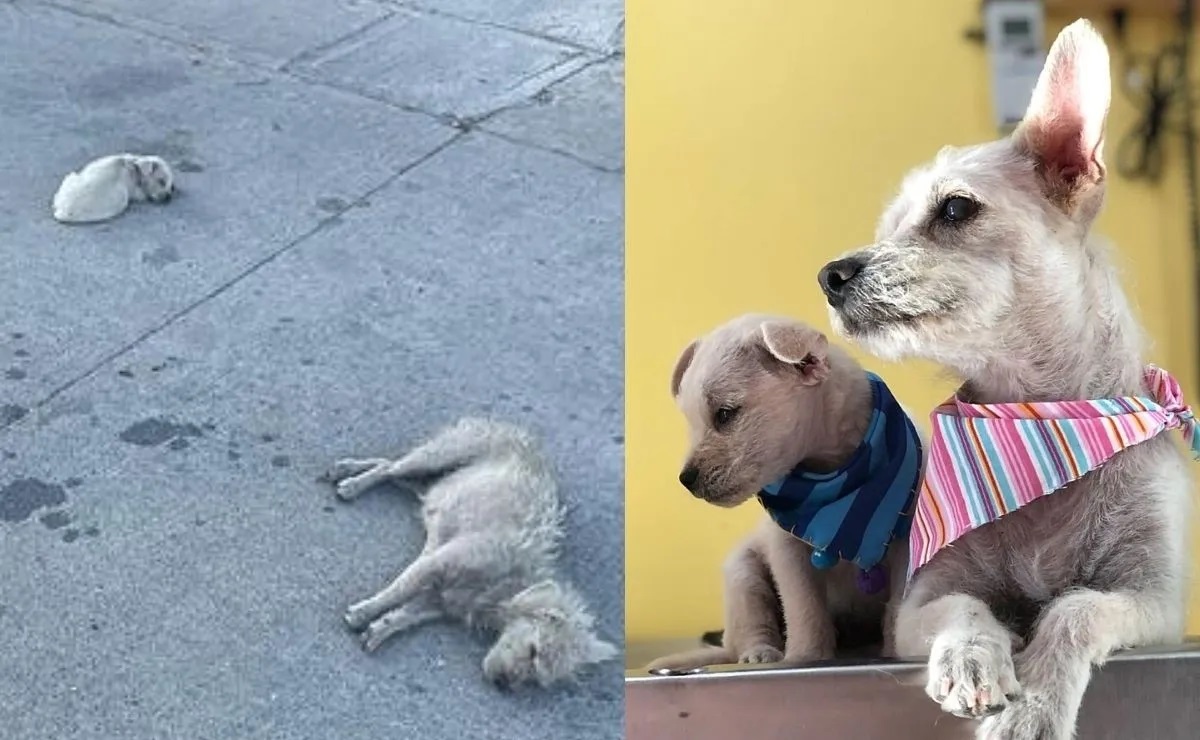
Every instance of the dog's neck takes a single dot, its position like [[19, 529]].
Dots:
[[845, 412], [1077, 342]]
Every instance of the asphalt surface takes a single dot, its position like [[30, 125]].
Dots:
[[389, 216]]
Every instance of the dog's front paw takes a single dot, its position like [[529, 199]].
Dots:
[[971, 675], [1029, 718], [357, 617], [373, 636], [349, 489], [338, 472], [761, 654]]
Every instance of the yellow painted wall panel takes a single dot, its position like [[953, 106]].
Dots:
[[764, 138]]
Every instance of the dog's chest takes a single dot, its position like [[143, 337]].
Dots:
[[1122, 524]]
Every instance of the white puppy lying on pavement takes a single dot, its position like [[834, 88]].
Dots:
[[105, 187], [493, 525]]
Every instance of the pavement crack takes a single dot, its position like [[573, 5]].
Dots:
[[524, 102], [316, 52], [422, 8], [112, 20], [238, 278], [552, 150]]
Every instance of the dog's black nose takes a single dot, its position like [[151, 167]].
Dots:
[[836, 276], [689, 476]]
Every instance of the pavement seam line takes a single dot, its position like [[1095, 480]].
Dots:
[[421, 7], [552, 150], [238, 278], [532, 99], [450, 120], [315, 52]]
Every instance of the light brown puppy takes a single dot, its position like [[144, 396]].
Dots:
[[762, 395]]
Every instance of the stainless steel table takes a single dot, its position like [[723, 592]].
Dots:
[[1138, 695]]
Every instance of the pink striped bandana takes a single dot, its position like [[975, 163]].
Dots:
[[986, 460]]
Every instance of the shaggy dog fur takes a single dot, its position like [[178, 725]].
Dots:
[[493, 523], [105, 188], [983, 263]]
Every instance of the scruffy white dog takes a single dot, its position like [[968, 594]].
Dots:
[[984, 264], [105, 187], [493, 525]]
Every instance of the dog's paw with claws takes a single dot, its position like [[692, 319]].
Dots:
[[761, 654], [357, 618], [373, 636], [337, 472], [348, 490], [971, 676], [1028, 718]]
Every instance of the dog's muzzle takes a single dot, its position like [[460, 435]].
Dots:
[[837, 278]]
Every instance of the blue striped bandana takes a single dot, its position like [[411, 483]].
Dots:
[[854, 512]]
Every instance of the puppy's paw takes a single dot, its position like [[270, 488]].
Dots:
[[972, 675], [1029, 718], [761, 654], [357, 617]]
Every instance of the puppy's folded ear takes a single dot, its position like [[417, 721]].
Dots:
[[1063, 128], [681, 366], [800, 346]]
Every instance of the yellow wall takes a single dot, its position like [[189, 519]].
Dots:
[[764, 137]]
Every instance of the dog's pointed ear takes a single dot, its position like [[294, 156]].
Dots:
[[1063, 128], [681, 366], [800, 346]]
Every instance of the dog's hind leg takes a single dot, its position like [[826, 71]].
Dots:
[[347, 467], [971, 670], [1076, 631], [421, 576], [397, 620], [354, 486], [451, 448]]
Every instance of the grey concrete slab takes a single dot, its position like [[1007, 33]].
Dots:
[[441, 64], [590, 23], [262, 160], [265, 32], [181, 571], [583, 115]]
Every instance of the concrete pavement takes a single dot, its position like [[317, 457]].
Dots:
[[390, 215]]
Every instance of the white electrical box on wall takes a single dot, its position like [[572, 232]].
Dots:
[[1015, 34]]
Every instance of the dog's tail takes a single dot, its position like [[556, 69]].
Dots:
[[692, 659]]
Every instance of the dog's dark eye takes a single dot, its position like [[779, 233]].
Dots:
[[957, 209], [724, 415], [532, 652]]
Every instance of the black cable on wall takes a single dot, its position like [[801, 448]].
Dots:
[[1186, 30], [1164, 96]]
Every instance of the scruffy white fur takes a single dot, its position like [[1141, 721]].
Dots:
[[1023, 306], [493, 525], [797, 400], [105, 187]]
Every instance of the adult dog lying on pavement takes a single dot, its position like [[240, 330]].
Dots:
[[493, 525]]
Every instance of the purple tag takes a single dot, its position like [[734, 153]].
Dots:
[[873, 580]]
